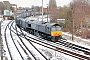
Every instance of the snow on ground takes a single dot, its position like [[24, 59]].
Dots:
[[51, 54], [10, 43], [1, 19], [77, 40]]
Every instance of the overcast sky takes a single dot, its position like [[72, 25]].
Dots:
[[29, 3]]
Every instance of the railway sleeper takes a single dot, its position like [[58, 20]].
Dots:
[[87, 53], [62, 40], [67, 45], [71, 54], [83, 48], [75, 56], [79, 47]]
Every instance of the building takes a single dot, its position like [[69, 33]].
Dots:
[[7, 14], [6, 4], [44, 10]]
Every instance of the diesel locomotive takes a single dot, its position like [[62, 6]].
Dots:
[[47, 30]]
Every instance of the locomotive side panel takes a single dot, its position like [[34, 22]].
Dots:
[[27, 25], [48, 30], [18, 21], [33, 26], [41, 28], [23, 23]]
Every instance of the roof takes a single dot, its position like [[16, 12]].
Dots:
[[60, 19], [7, 9]]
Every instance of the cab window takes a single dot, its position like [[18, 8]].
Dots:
[[53, 28], [56, 28]]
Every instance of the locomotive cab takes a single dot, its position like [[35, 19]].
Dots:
[[56, 32]]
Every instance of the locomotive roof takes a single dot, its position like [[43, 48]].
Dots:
[[52, 24], [34, 21], [43, 24]]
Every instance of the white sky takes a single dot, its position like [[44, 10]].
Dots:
[[29, 3]]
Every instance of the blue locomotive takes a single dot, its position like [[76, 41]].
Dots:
[[50, 31]]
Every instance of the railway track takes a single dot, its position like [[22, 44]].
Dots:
[[61, 50], [54, 47], [15, 43], [7, 42], [22, 46], [35, 58], [11, 43], [64, 43], [74, 46]]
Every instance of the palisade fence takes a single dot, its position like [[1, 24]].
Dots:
[[1, 42]]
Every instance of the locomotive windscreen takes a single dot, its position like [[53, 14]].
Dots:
[[56, 28]]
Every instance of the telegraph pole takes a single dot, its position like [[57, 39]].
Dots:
[[72, 23], [42, 11], [47, 12]]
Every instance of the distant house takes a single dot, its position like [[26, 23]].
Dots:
[[44, 10], [61, 21]]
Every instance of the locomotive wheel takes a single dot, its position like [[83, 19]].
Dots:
[[28, 31], [36, 33], [32, 32]]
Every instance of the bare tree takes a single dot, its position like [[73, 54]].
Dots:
[[81, 13], [53, 10]]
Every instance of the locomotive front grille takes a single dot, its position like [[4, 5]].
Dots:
[[56, 33]]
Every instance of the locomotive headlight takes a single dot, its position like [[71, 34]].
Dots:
[[52, 35]]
